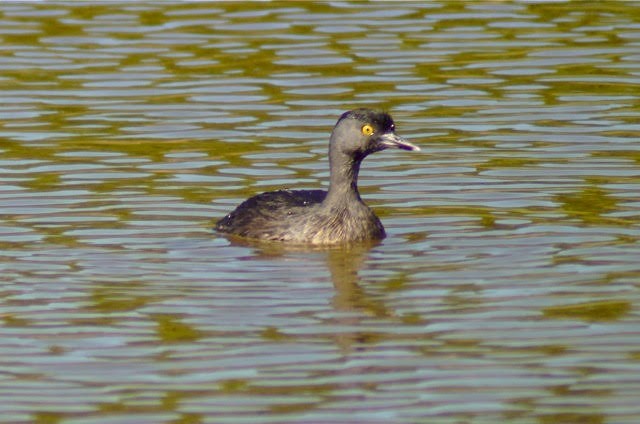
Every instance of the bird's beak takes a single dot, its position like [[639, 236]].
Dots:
[[390, 139]]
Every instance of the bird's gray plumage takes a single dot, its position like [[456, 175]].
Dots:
[[323, 217]]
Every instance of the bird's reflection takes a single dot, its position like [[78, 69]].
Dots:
[[344, 265], [350, 300]]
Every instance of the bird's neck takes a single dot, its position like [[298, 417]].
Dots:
[[343, 185]]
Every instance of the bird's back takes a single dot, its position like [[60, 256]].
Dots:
[[271, 215], [301, 217]]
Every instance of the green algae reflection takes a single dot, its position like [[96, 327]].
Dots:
[[171, 330], [589, 205], [608, 310]]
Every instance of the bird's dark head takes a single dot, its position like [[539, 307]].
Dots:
[[360, 132]]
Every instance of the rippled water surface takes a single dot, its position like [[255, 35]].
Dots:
[[508, 289]]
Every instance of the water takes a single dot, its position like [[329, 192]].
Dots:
[[506, 291]]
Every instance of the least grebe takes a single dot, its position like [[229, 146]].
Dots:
[[323, 217]]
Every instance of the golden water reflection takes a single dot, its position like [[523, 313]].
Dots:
[[507, 290]]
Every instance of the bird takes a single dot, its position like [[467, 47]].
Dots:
[[317, 217]]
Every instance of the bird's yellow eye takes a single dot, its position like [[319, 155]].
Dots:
[[367, 130]]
